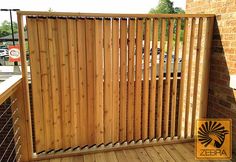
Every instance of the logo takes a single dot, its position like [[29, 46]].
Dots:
[[14, 53], [213, 140]]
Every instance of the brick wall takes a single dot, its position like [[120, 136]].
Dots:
[[222, 98]]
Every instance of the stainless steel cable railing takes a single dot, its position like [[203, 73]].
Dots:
[[9, 132]]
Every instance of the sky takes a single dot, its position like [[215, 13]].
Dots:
[[97, 6]]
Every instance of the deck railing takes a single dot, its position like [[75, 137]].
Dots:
[[13, 143], [99, 82]]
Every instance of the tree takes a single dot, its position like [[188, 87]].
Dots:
[[166, 7], [5, 28]]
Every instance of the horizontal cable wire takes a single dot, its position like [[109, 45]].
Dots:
[[9, 121], [8, 108], [9, 143]]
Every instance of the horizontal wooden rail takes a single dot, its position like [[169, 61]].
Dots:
[[37, 13], [9, 86]]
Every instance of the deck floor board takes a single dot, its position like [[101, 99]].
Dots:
[[174, 152]]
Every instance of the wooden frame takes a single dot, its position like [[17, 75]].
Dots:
[[135, 133], [36, 13], [26, 103]]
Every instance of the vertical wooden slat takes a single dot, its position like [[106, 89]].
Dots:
[[123, 82], [206, 68], [182, 82], [167, 81], [90, 54], [195, 91], [189, 77], [152, 112], [108, 81], [36, 85], [26, 117], [74, 76], [160, 80], [65, 85], [83, 111], [138, 80], [175, 75], [130, 113], [45, 80], [115, 78], [99, 109], [146, 81], [55, 86]]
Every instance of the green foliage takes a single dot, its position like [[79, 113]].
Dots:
[[5, 28], [178, 10], [167, 7], [164, 7]]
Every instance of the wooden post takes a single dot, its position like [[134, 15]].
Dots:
[[206, 68], [21, 122], [24, 106]]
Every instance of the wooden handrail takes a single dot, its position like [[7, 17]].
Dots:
[[9, 86], [41, 13]]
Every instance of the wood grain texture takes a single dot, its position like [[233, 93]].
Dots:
[[189, 80], [90, 55], [130, 98], [115, 79], [145, 104], [196, 77], [123, 79], [175, 75], [152, 111], [138, 80], [83, 111], [182, 81], [74, 79], [41, 13], [95, 81], [167, 81], [206, 67], [174, 152], [36, 85], [108, 109], [26, 137], [160, 80], [55, 86], [45, 81], [65, 85], [99, 100]]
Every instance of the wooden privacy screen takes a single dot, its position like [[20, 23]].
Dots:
[[99, 80]]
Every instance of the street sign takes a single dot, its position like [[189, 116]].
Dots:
[[14, 53]]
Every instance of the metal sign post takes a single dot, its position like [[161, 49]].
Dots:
[[12, 31]]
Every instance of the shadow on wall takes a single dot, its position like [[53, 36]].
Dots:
[[221, 102]]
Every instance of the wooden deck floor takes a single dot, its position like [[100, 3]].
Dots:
[[170, 153]]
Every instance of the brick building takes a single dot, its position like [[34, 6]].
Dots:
[[222, 98]]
